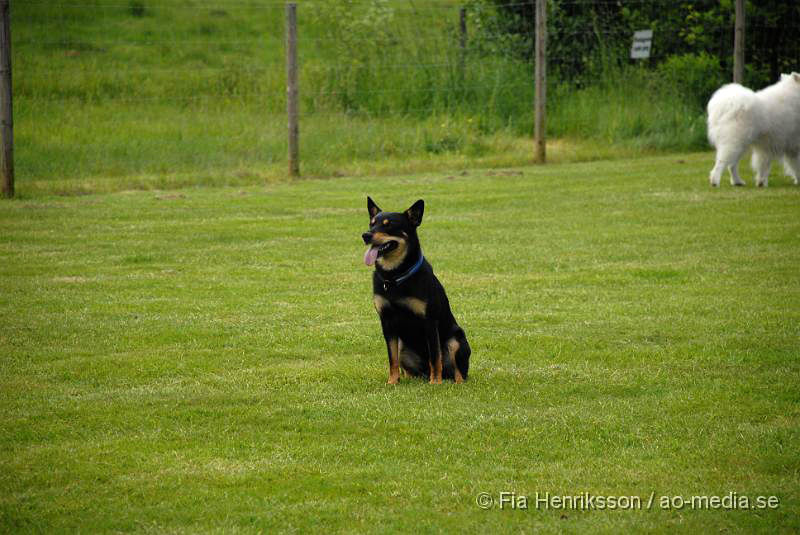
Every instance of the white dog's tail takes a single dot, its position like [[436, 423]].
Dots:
[[730, 110]]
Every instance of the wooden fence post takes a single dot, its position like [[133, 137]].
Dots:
[[462, 46], [6, 110], [540, 103], [738, 44], [291, 89]]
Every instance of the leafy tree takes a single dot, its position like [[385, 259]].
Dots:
[[585, 37]]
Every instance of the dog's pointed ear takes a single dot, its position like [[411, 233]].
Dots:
[[414, 214], [372, 208]]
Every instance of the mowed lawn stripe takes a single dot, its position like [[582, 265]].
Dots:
[[208, 359]]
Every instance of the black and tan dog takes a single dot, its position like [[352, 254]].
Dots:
[[422, 336]]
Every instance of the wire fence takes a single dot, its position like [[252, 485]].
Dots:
[[111, 89]]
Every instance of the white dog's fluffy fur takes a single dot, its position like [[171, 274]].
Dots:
[[767, 120]]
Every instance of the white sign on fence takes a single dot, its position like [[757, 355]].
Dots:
[[642, 40]]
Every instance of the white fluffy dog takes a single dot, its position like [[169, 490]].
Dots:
[[768, 120]]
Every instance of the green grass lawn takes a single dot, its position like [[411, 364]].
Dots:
[[208, 359]]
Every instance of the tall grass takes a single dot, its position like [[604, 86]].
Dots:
[[628, 106], [137, 93]]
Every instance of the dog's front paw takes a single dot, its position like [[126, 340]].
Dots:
[[392, 379]]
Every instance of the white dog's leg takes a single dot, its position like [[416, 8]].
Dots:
[[761, 162], [727, 157], [735, 180], [716, 172], [791, 164]]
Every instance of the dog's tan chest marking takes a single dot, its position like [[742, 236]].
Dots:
[[415, 305], [380, 302]]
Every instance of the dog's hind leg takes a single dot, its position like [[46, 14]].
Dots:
[[716, 172], [462, 355], [727, 158], [452, 350], [761, 161], [791, 164]]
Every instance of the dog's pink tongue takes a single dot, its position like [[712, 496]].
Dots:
[[370, 256]]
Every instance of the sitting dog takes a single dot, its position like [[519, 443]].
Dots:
[[422, 336]]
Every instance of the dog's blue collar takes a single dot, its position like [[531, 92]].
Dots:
[[414, 269], [405, 276]]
